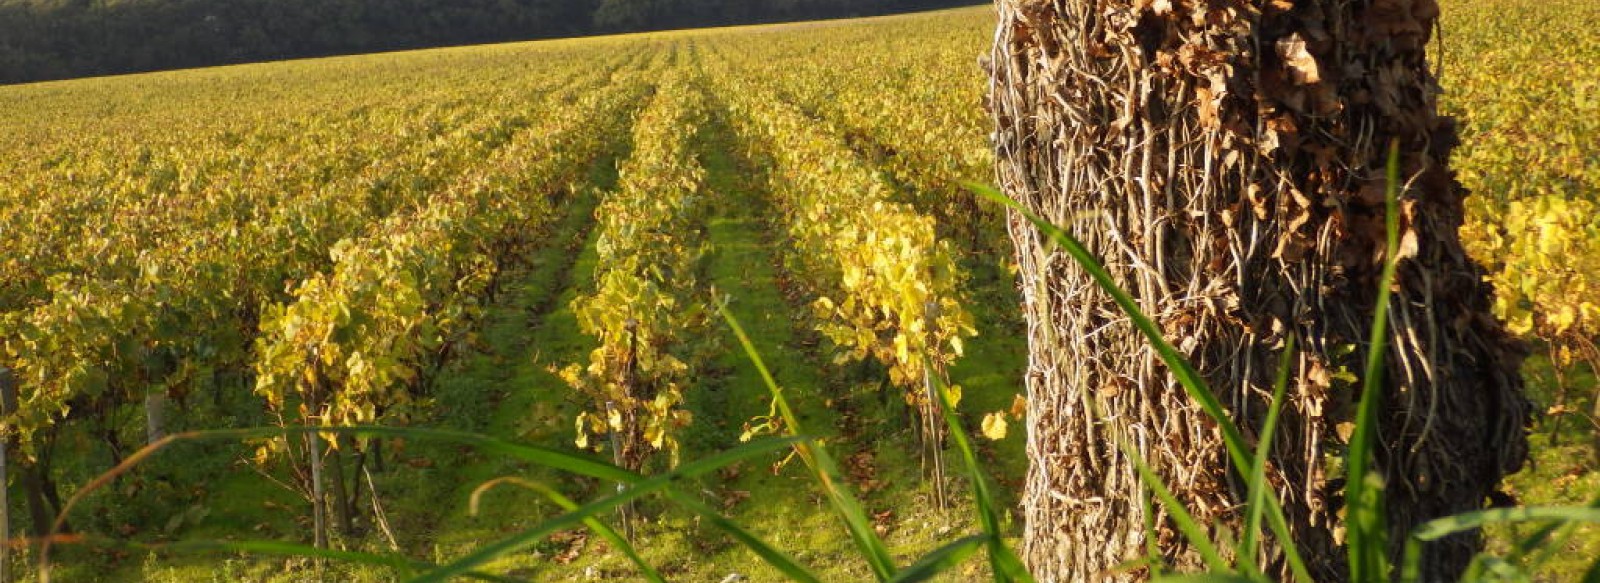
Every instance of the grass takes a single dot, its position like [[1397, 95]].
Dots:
[[510, 389], [1560, 471], [742, 266]]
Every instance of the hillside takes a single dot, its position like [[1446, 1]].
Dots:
[[51, 39]]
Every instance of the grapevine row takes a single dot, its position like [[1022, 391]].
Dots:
[[90, 204], [1530, 157], [140, 314], [350, 346], [367, 325], [884, 285], [648, 305], [875, 89]]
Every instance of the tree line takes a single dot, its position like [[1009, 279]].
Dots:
[[58, 39]]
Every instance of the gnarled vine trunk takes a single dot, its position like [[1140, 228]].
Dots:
[[1225, 159]]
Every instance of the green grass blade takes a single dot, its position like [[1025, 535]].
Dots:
[[1180, 514], [531, 536], [560, 460], [989, 520], [544, 456], [941, 559], [1256, 485], [1280, 529], [1593, 574], [778, 559], [1367, 547], [823, 467], [1367, 514], [1548, 540], [400, 564], [653, 484], [1500, 569], [1152, 548], [1411, 562], [1191, 381], [600, 528], [1143, 562], [1011, 565], [1185, 374], [556, 459], [1475, 567], [1564, 516], [1442, 527]]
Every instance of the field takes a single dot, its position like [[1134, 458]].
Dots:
[[532, 241]]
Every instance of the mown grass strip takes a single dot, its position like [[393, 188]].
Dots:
[[1007, 567], [567, 504], [823, 467], [635, 490]]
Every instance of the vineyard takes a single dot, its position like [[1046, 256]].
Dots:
[[534, 241]]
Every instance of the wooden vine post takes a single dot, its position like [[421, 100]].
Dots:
[[8, 406], [319, 498], [624, 439], [1225, 161], [932, 416]]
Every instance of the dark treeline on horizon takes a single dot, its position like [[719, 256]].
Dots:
[[59, 39]]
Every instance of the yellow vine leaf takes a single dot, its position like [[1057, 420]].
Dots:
[[994, 426]]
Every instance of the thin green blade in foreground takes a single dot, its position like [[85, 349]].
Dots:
[[823, 467], [1152, 547], [1180, 515], [941, 559], [1191, 381], [594, 524], [654, 484], [1442, 527], [1005, 563], [778, 559], [1368, 553], [1547, 541], [555, 459], [1257, 484], [1203, 578]]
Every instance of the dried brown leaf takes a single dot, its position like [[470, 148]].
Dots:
[[1208, 110], [1291, 248], [1159, 7], [1408, 245], [1319, 375], [1345, 430], [1258, 202], [1299, 220], [1301, 65]]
